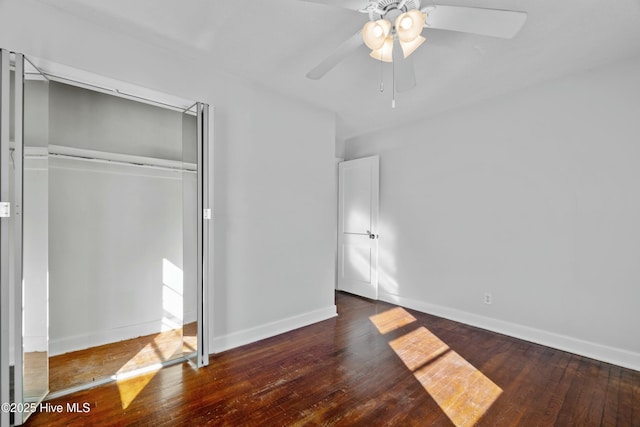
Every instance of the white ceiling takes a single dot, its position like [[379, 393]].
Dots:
[[275, 43]]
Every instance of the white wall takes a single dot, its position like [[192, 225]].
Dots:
[[274, 204], [532, 197], [274, 216]]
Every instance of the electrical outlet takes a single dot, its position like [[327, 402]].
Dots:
[[487, 298]]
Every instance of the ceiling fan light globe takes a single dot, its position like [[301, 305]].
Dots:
[[409, 47], [406, 23], [384, 53], [409, 25], [374, 33]]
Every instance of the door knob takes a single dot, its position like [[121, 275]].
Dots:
[[371, 235]]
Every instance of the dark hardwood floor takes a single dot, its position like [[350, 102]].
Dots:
[[375, 364]]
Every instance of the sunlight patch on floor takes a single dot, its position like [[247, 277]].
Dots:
[[391, 320], [131, 380], [130, 387], [418, 348], [462, 391]]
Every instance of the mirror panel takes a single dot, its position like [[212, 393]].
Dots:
[[115, 237], [35, 286], [190, 229]]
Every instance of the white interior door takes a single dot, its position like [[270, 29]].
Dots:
[[358, 226]]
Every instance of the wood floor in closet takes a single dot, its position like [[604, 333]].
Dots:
[[85, 366], [375, 364]]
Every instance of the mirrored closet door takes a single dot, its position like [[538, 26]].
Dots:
[[196, 196], [24, 235], [107, 257], [35, 234]]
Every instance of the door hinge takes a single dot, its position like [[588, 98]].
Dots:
[[5, 209], [206, 213]]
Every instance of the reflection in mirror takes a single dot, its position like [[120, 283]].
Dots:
[[35, 236], [117, 285], [190, 203]]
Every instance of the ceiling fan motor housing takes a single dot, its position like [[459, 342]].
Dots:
[[390, 9]]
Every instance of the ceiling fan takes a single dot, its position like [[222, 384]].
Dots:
[[399, 24]]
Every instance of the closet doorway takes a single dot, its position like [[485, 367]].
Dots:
[[111, 197]]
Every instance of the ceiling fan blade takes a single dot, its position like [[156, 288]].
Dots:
[[405, 73], [345, 4], [348, 46], [487, 22]]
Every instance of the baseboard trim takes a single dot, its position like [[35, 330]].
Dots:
[[250, 335], [616, 356]]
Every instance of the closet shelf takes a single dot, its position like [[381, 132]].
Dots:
[[59, 151]]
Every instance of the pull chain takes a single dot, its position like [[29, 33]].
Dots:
[[381, 78], [393, 77]]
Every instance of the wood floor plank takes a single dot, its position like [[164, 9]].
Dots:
[[610, 411], [547, 383], [345, 372], [569, 412], [580, 411], [629, 399]]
